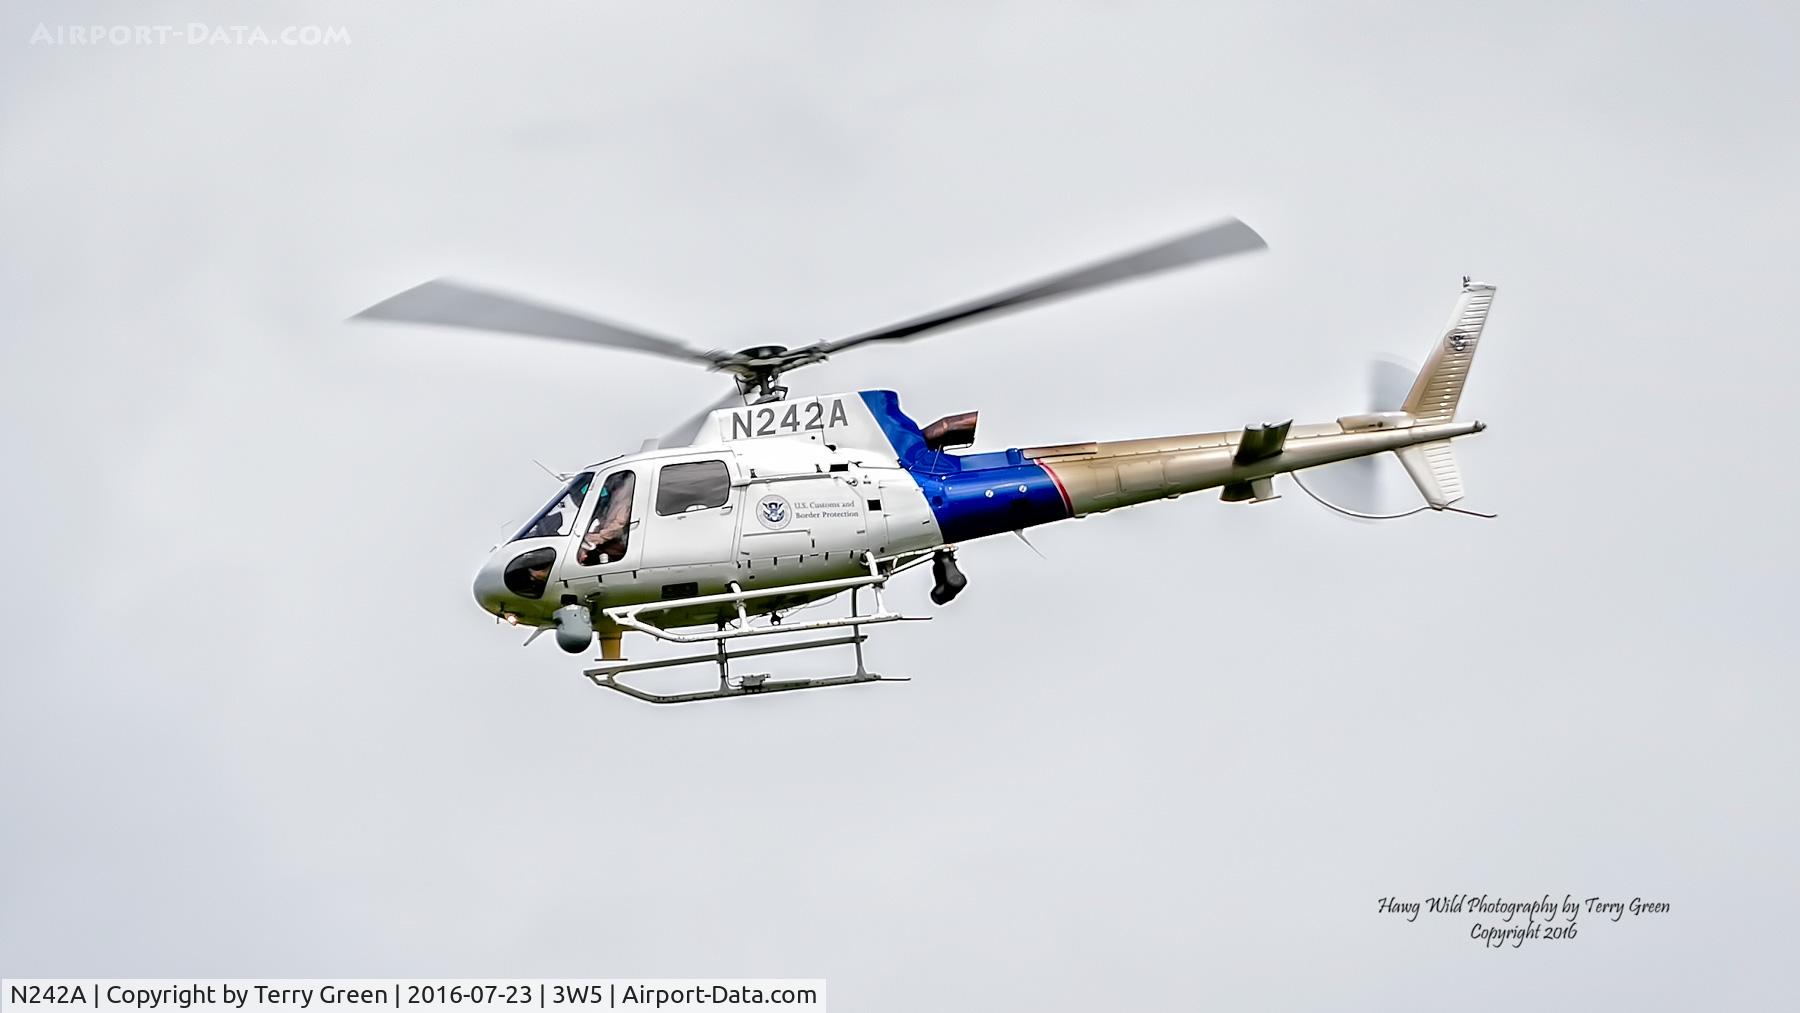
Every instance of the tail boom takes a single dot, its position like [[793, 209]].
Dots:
[[1096, 477]]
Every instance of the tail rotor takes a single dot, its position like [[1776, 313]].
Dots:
[[1369, 486], [1357, 488]]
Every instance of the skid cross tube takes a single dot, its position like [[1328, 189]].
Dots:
[[606, 676]]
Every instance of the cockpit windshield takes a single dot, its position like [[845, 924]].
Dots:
[[558, 516]]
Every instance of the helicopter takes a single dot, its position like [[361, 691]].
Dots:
[[718, 534]]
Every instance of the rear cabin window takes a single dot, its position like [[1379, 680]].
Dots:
[[700, 485]]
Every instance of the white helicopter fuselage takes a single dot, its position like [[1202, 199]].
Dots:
[[780, 503], [820, 488], [767, 495]]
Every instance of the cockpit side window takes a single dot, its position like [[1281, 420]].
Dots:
[[558, 517], [697, 485], [609, 532]]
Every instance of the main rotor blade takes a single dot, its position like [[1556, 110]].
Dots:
[[1221, 240], [453, 304], [683, 434]]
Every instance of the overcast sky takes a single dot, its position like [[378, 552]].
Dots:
[[253, 723]]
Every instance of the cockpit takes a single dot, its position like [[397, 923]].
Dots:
[[522, 570], [558, 516], [527, 574]]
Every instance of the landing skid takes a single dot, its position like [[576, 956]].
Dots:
[[606, 674]]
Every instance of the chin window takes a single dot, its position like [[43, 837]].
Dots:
[[529, 574]]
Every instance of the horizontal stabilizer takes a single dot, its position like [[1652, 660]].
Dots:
[[1257, 490], [1259, 443]]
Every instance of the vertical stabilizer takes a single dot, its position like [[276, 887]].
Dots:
[[1439, 386], [1436, 392], [1432, 467]]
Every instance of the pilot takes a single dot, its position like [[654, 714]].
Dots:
[[556, 521], [605, 538], [547, 525]]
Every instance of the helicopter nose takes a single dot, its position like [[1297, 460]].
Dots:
[[490, 585]]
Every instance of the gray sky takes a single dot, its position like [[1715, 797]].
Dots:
[[253, 724]]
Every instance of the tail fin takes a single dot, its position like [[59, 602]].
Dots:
[[1435, 394], [1439, 387]]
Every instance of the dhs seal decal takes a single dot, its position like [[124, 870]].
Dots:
[[773, 512]]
